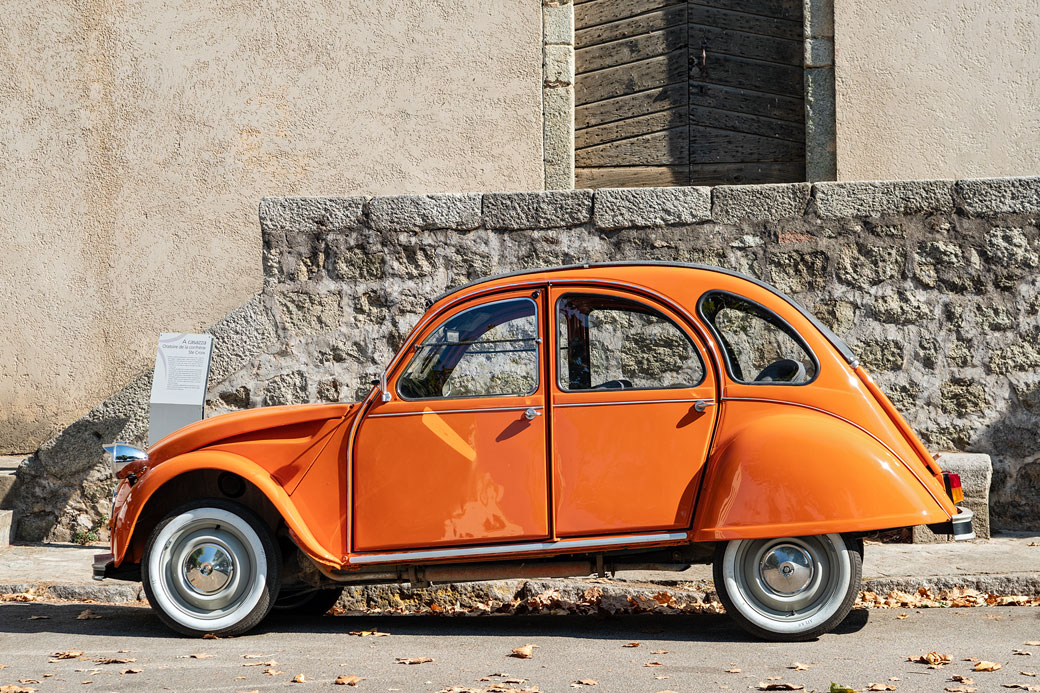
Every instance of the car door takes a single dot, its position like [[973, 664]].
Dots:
[[632, 413], [458, 455]]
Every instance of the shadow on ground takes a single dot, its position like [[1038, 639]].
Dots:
[[140, 621]]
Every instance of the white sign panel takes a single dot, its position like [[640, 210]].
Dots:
[[179, 382]]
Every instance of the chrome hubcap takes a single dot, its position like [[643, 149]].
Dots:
[[208, 568], [786, 569]]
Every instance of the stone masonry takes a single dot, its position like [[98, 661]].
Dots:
[[935, 285]]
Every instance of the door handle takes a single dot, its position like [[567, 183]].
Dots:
[[530, 413], [702, 404]]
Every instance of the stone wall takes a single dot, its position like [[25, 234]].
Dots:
[[934, 284]]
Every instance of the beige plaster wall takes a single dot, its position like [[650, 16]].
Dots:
[[137, 137], [937, 88]]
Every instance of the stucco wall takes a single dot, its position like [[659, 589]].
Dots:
[[136, 137], [937, 88]]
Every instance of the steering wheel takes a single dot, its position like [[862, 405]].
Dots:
[[782, 371], [619, 384]]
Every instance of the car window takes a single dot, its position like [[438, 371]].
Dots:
[[611, 343], [759, 346], [485, 351]]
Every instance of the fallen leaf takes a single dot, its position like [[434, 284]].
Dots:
[[631, 644], [838, 688], [210, 636], [798, 666], [272, 672], [86, 614], [131, 671], [961, 689], [966, 680], [299, 678], [37, 618], [1028, 673], [26, 681], [659, 652], [903, 616], [350, 680], [369, 633], [932, 659], [779, 686], [69, 654], [583, 682], [1022, 686], [114, 660], [420, 660], [268, 663], [653, 664], [201, 655], [16, 689], [1032, 643], [1023, 653], [880, 687], [988, 666], [524, 652], [734, 670]]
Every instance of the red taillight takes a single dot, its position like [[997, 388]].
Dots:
[[953, 486]]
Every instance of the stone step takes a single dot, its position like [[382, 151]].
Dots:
[[8, 464], [6, 528]]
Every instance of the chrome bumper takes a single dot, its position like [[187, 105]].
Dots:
[[962, 525]]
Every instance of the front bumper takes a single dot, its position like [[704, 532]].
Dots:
[[960, 526], [103, 562], [105, 567]]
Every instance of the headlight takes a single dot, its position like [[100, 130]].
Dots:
[[123, 454]]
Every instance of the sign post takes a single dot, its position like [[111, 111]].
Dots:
[[179, 383]]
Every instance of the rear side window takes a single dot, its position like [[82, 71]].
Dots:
[[486, 351], [612, 343], [760, 348]]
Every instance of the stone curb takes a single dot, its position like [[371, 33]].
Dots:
[[471, 593]]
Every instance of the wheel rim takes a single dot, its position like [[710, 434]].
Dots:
[[210, 569], [788, 585]]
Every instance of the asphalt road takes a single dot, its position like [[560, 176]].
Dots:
[[694, 652]]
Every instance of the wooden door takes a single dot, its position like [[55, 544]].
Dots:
[[688, 92]]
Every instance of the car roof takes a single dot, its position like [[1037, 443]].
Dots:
[[834, 339]]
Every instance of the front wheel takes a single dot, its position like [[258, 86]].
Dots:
[[211, 566], [788, 589]]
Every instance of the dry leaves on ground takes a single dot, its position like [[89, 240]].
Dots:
[[966, 680], [779, 686], [583, 682], [18, 597], [653, 664], [114, 660], [16, 689], [348, 680], [734, 670], [838, 688], [523, 652], [200, 655], [1022, 686], [798, 666], [659, 652], [272, 672], [131, 671], [413, 660], [369, 633], [961, 689], [631, 644], [1032, 643], [299, 678], [268, 663], [1023, 653], [932, 659], [86, 614], [1028, 673], [880, 687], [68, 654], [958, 597], [988, 666]]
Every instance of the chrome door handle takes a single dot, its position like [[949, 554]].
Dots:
[[702, 404], [531, 412]]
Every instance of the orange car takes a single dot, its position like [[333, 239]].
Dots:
[[548, 423]]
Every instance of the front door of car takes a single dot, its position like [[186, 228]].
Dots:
[[458, 455], [633, 410]]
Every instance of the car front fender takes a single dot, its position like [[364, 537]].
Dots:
[[132, 501], [787, 470]]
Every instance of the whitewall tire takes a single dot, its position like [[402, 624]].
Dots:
[[211, 566], [790, 588]]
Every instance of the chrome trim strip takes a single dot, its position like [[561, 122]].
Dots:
[[450, 411], [962, 521], [517, 548], [635, 401], [851, 423]]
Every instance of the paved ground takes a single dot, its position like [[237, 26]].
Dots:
[[694, 652]]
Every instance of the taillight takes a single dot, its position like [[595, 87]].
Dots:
[[953, 486]]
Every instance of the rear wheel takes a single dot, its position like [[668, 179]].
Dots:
[[211, 566], [792, 588]]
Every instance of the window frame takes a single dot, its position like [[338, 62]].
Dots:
[[653, 310], [417, 347], [721, 343]]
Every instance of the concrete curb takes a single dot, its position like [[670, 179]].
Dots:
[[472, 593]]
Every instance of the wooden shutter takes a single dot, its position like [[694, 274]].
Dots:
[[678, 92]]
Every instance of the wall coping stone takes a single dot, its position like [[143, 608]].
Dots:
[[734, 203], [618, 208], [988, 196], [877, 198], [538, 210], [459, 211], [311, 213]]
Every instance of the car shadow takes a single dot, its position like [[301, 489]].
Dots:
[[140, 621]]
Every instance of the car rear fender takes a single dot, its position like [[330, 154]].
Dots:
[[790, 470], [131, 503]]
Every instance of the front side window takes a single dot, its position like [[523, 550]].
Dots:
[[490, 350], [611, 343], [760, 347]]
